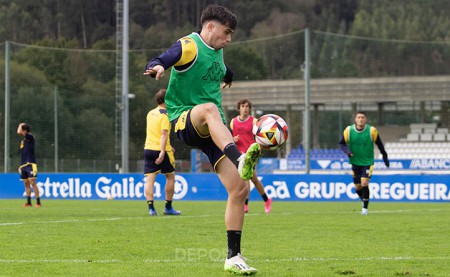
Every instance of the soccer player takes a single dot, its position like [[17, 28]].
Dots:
[[357, 142], [28, 166], [158, 155], [241, 127], [194, 101]]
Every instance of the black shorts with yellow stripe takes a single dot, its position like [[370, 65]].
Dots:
[[187, 133], [167, 166], [361, 171], [28, 171]]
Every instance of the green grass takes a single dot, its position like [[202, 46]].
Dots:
[[118, 238]]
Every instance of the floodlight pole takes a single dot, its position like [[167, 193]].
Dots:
[[125, 108], [7, 107], [307, 116]]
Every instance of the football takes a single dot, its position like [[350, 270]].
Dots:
[[270, 131]]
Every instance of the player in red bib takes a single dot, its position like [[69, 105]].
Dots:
[[241, 127]]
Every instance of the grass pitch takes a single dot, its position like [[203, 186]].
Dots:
[[118, 238]]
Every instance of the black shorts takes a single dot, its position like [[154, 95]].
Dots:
[[361, 171], [187, 133], [167, 166], [28, 171]]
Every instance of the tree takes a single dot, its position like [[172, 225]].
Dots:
[[246, 63], [428, 24]]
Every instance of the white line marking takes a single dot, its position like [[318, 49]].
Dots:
[[201, 216], [296, 259], [60, 261], [11, 223], [106, 219], [357, 259]]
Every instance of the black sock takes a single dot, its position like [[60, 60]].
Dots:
[[232, 152], [38, 201], [359, 192], [150, 205], [29, 200], [265, 198], [168, 204], [365, 196], [246, 201], [234, 243]]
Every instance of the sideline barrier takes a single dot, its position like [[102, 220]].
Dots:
[[206, 186], [268, 165]]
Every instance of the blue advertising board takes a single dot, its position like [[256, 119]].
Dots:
[[267, 165], [206, 186]]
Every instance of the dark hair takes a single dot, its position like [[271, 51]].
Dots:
[[243, 101], [221, 14], [361, 112], [26, 127], [159, 96]]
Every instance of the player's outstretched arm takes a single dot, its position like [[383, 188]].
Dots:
[[224, 85], [157, 72]]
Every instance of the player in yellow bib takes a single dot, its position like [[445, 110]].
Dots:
[[357, 142], [158, 155], [194, 104]]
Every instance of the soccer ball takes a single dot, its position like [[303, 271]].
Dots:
[[270, 131]]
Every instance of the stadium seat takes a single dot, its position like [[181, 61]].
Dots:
[[412, 137], [426, 137], [439, 137], [429, 131], [416, 130]]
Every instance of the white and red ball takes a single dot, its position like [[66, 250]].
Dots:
[[270, 131]]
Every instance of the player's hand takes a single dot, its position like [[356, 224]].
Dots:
[[386, 160], [160, 158], [236, 138], [224, 85], [157, 71]]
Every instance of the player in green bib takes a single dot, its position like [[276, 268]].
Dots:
[[357, 142], [194, 106]]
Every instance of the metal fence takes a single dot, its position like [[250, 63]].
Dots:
[[68, 95]]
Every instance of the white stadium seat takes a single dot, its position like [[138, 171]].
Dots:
[[412, 137], [439, 137]]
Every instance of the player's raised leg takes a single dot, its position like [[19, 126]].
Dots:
[[247, 161], [205, 115]]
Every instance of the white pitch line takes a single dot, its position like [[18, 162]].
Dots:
[[357, 259], [200, 216], [203, 260], [105, 219], [11, 223], [60, 261]]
